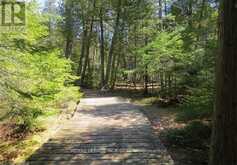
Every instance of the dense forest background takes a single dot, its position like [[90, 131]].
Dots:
[[161, 48], [167, 48]]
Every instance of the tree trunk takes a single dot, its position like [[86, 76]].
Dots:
[[68, 49], [113, 69], [146, 79], [146, 75], [87, 46], [160, 9], [83, 45], [102, 55], [68, 29], [114, 78], [111, 51], [175, 85], [169, 84], [87, 53], [165, 84], [162, 80], [117, 55], [165, 3], [224, 139]]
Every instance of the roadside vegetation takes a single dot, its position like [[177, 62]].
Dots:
[[36, 87], [186, 138]]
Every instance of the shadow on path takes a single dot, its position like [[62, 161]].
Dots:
[[104, 131]]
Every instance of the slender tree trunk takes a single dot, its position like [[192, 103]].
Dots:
[[169, 84], [124, 61], [102, 55], [224, 139], [175, 85], [165, 3], [68, 29], [113, 69], [146, 75], [68, 49], [117, 55], [87, 53], [146, 79], [165, 84], [114, 78], [92, 67], [135, 58], [152, 84], [160, 9], [162, 80], [111, 51], [83, 46], [190, 13], [87, 46]]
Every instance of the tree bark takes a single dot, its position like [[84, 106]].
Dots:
[[114, 38], [224, 139], [161, 80], [69, 46], [114, 75], [160, 9], [165, 3], [87, 53], [69, 29], [83, 44], [169, 84], [102, 55], [88, 44], [146, 79]]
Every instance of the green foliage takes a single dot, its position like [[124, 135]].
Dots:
[[184, 48], [199, 105], [163, 52], [33, 76], [194, 135]]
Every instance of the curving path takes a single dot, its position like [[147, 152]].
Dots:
[[104, 131]]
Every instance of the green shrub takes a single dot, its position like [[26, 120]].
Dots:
[[198, 105], [195, 135], [34, 77]]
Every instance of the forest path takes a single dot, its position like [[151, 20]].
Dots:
[[104, 131]]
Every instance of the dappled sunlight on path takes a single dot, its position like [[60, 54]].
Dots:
[[104, 131]]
